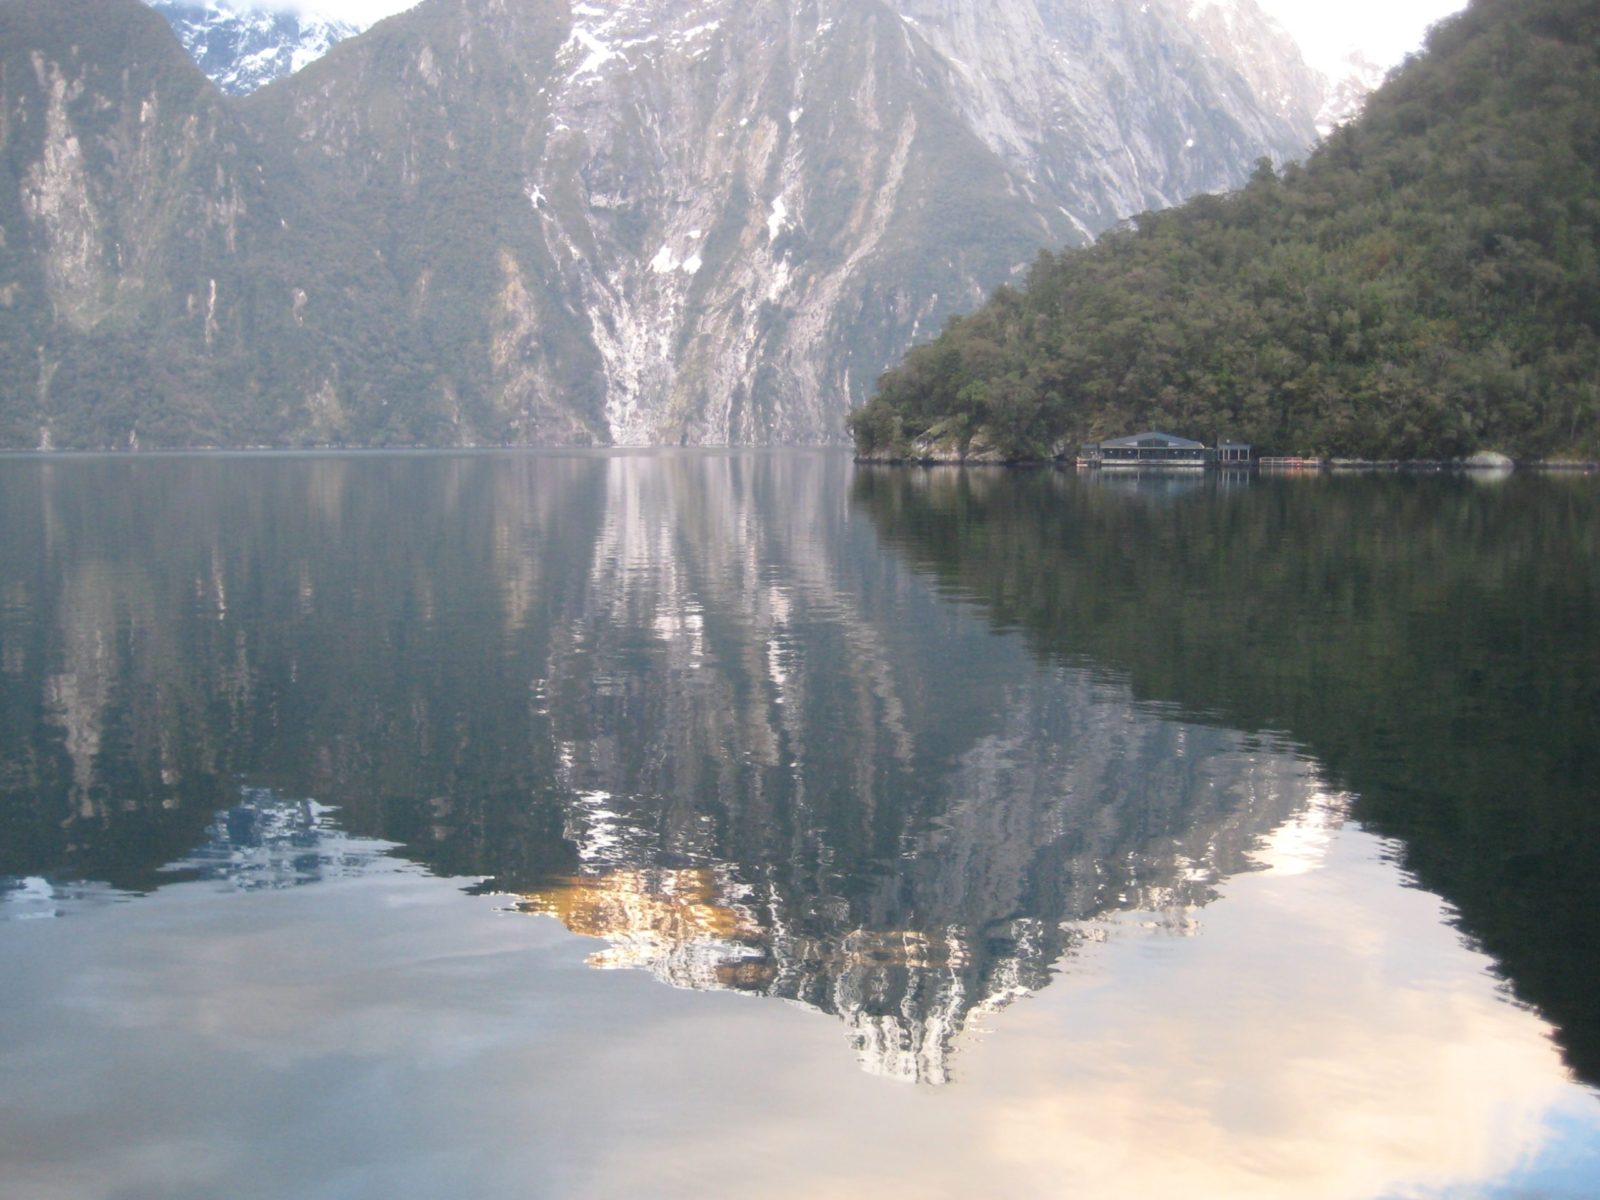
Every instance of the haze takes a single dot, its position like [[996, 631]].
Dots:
[[1385, 31]]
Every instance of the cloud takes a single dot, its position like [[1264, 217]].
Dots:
[[356, 12], [1385, 31]]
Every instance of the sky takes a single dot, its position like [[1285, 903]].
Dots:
[[1385, 30], [360, 12]]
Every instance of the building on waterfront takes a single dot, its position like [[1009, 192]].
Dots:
[[1157, 449], [1234, 454]]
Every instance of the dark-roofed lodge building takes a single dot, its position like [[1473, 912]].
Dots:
[[1153, 449]]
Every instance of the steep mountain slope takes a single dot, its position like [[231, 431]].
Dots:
[[240, 49], [128, 199], [1425, 287], [519, 221], [746, 210], [148, 287]]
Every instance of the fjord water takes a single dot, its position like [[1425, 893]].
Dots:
[[389, 826]]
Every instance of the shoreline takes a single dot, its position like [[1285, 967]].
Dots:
[[1298, 467]]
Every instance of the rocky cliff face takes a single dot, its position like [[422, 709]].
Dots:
[[130, 201], [524, 221]]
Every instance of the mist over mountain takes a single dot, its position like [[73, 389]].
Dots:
[[494, 222], [1348, 85]]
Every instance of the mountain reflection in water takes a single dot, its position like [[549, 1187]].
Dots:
[[1431, 642], [681, 703], [689, 706], [263, 842], [1073, 809]]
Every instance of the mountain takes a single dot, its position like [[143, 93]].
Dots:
[[485, 221], [1425, 286], [132, 205], [240, 49], [1349, 82]]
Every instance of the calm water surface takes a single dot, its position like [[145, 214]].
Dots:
[[695, 825]]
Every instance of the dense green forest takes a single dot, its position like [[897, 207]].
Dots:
[[1425, 285]]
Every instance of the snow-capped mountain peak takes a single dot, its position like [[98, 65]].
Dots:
[[243, 47]]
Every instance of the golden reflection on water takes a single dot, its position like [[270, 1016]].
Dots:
[[657, 916], [654, 919], [903, 994]]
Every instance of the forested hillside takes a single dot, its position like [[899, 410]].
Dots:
[[1425, 285]]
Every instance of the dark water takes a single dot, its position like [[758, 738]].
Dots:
[[1133, 838]]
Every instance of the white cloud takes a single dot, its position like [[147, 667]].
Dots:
[[356, 12], [1385, 31]]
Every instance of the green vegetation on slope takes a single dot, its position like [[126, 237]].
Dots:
[[1425, 285]]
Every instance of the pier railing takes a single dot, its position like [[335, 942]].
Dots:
[[1291, 464]]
